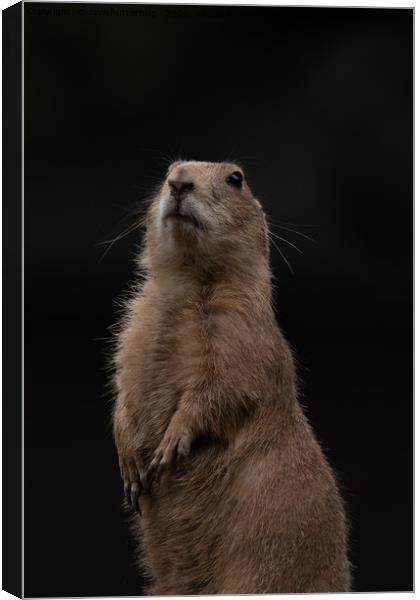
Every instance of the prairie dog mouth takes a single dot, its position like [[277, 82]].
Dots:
[[184, 218]]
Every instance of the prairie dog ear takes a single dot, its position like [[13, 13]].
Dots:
[[174, 164]]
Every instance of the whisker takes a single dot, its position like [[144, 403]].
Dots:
[[130, 228], [131, 213], [287, 241], [298, 224], [283, 256], [118, 237], [307, 237], [167, 158]]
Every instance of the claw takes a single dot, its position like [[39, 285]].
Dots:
[[184, 447], [143, 481], [153, 472], [135, 494], [158, 472], [127, 491]]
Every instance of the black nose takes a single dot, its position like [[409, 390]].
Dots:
[[180, 188]]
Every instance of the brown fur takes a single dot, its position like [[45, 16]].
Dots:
[[246, 503]]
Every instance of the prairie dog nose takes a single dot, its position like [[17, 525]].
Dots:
[[180, 188]]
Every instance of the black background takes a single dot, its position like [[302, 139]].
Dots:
[[317, 105]]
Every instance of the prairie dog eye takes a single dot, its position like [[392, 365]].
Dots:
[[236, 178]]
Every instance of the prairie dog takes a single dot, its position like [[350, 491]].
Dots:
[[232, 491]]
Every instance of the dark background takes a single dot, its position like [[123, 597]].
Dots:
[[317, 105]]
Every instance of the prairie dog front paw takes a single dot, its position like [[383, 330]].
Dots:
[[175, 446], [134, 477]]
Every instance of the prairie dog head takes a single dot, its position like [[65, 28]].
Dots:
[[205, 215]]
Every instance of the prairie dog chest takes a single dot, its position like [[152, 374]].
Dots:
[[182, 340], [161, 343], [168, 340]]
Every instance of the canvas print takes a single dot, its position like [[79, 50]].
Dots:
[[207, 241]]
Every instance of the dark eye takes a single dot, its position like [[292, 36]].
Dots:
[[236, 178]]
